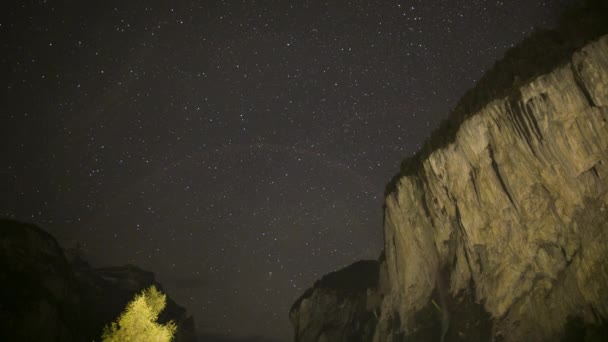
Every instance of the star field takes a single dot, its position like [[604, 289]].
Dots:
[[238, 149]]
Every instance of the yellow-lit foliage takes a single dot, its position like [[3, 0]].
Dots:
[[138, 322]]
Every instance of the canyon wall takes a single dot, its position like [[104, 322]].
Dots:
[[502, 235], [513, 210]]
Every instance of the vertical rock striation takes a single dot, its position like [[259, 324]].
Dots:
[[502, 234], [513, 214]]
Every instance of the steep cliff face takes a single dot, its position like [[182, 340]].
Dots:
[[45, 296], [513, 213], [502, 234], [342, 306]]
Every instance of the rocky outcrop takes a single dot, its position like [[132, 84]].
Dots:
[[513, 212], [342, 306], [502, 234], [47, 296]]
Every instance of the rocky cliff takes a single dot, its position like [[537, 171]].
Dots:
[[513, 211], [502, 233], [342, 306], [46, 296]]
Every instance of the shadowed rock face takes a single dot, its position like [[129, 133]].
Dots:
[[44, 297], [501, 235], [37, 296], [342, 306]]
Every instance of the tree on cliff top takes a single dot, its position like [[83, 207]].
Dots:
[[138, 322]]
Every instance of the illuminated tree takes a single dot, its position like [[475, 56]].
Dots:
[[138, 322]]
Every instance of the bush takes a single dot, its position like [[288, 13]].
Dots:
[[138, 322]]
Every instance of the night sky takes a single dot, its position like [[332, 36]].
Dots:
[[238, 149]]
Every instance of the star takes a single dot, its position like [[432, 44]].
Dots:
[[246, 143]]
